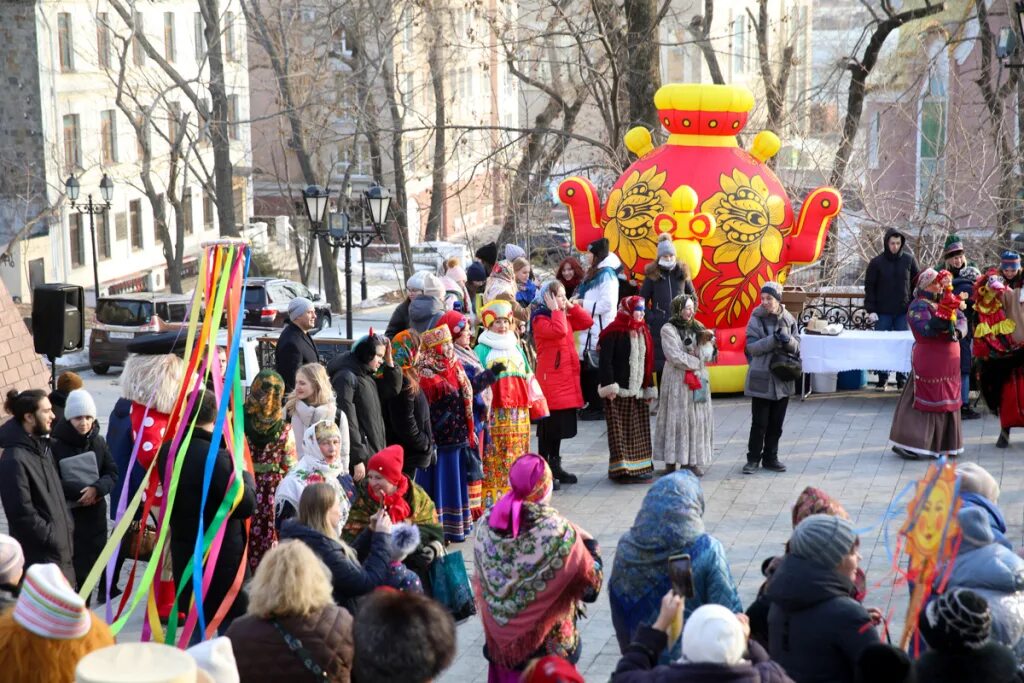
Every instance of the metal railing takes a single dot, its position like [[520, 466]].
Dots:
[[843, 308], [327, 349]]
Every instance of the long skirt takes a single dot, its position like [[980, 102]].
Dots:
[[263, 529], [510, 438], [924, 433], [445, 483], [629, 438]]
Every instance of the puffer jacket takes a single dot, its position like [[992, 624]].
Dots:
[[600, 299], [424, 312], [359, 398], [660, 286], [889, 281], [761, 345], [816, 630], [558, 366], [263, 656]]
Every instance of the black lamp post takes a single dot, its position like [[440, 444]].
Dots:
[[341, 234], [73, 188]]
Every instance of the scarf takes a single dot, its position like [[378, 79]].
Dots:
[[625, 323], [395, 503], [527, 582], [530, 482], [686, 327], [264, 409], [504, 348], [305, 416], [441, 374], [312, 469], [501, 281]]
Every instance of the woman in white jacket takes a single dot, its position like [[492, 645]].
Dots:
[[599, 296]]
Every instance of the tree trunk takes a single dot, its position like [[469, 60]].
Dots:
[[220, 137], [643, 61], [435, 60], [700, 29], [401, 199]]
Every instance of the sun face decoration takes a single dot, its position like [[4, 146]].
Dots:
[[749, 220], [631, 210], [931, 525]]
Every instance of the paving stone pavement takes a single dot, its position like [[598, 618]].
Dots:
[[836, 442]]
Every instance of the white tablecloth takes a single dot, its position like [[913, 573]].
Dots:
[[856, 350]]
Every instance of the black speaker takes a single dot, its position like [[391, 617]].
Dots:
[[58, 319]]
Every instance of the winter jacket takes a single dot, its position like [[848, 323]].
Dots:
[[816, 630], [889, 281], [350, 580], [558, 365], [407, 423], [600, 298], [761, 346], [90, 520], [33, 499], [424, 312], [639, 665], [120, 443], [360, 397], [263, 656], [616, 374], [991, 663], [526, 294], [399, 321], [294, 349], [188, 512], [58, 400], [660, 286], [995, 516]]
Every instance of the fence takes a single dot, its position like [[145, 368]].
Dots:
[[844, 308], [327, 349]]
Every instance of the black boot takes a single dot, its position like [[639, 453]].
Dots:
[[1004, 438], [770, 461], [560, 475]]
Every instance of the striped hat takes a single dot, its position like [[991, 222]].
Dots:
[[1009, 259], [49, 607], [498, 308]]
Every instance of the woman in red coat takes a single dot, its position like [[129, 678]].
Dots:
[[555, 320]]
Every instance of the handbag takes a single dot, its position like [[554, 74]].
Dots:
[[591, 359], [138, 542], [304, 655], [785, 365], [538, 402], [450, 585]]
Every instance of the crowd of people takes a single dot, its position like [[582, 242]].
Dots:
[[365, 469]]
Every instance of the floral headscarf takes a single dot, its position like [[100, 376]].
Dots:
[[405, 347], [264, 408], [441, 373], [313, 468], [814, 501]]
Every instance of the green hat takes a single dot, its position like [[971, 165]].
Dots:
[[954, 245]]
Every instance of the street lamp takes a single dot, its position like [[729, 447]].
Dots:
[[341, 233], [316, 199], [73, 189]]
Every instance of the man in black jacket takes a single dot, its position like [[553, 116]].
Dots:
[[295, 347], [30, 487], [187, 507], [888, 290]]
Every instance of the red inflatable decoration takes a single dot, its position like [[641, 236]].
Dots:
[[731, 219]]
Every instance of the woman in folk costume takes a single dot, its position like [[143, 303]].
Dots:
[[498, 345], [450, 395], [327, 448], [999, 354], [534, 570], [684, 429], [627, 387], [502, 280], [927, 418], [481, 379], [272, 445], [407, 415]]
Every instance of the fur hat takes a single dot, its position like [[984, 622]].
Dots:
[[153, 380], [79, 404], [299, 306], [68, 381], [388, 463], [665, 246], [713, 635], [957, 621], [48, 607], [773, 289], [12, 560], [976, 479], [405, 538], [881, 663], [823, 539]]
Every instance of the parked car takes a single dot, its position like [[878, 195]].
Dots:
[[550, 244], [266, 302], [122, 318]]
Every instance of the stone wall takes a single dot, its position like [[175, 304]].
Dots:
[[20, 366]]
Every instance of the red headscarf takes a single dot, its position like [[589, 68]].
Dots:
[[388, 463], [625, 323], [441, 374]]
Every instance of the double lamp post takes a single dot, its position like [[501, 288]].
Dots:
[[73, 188], [340, 233]]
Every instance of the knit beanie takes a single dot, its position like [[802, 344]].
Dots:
[[49, 607], [514, 251], [976, 479], [299, 306], [926, 277], [1009, 259], [457, 274], [79, 404], [882, 663], [971, 273], [432, 286], [957, 621], [665, 247], [823, 539], [773, 289], [476, 272], [488, 253], [713, 635], [954, 245], [599, 248], [12, 560], [68, 381], [388, 463]]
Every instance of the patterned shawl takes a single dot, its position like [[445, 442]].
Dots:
[[424, 513], [814, 501], [691, 326], [311, 469], [441, 373], [264, 409], [527, 583]]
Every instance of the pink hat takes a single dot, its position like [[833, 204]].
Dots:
[[12, 560], [530, 481], [457, 273], [48, 607], [926, 277]]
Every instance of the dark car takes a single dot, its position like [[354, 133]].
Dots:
[[266, 302], [550, 244], [122, 318]]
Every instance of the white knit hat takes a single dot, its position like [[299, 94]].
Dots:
[[138, 663], [713, 635], [49, 607], [300, 305], [79, 404], [12, 560]]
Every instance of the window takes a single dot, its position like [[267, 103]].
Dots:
[[199, 28], [72, 144], [108, 135], [170, 49], [229, 37], [77, 240], [186, 207], [209, 211], [173, 119], [65, 43], [135, 219], [739, 46], [121, 227], [138, 53], [103, 40], [874, 131], [103, 235], [233, 128], [931, 141]]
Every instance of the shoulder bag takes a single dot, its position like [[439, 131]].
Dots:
[[591, 360], [785, 365], [295, 645]]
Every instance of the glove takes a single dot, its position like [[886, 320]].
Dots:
[[498, 368], [782, 336], [872, 318]]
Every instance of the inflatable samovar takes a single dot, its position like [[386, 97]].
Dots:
[[731, 220]]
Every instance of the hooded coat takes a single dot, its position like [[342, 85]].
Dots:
[[599, 298], [33, 499], [889, 282], [399, 321], [424, 312], [816, 630], [359, 398], [761, 382], [660, 286]]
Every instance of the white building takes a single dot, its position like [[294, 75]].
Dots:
[[61, 116]]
